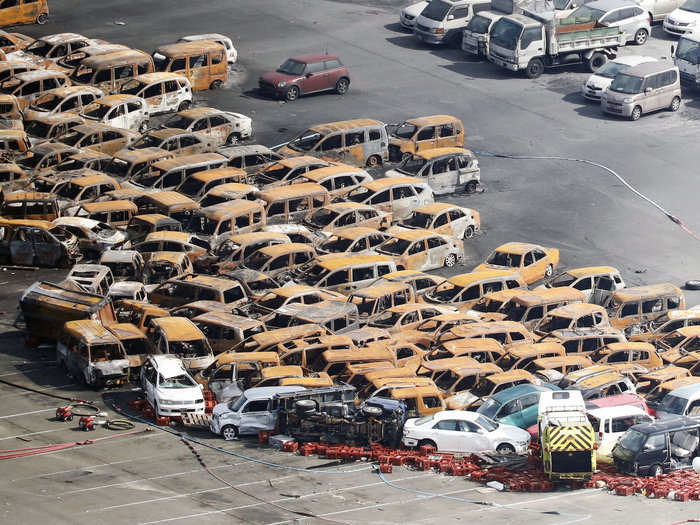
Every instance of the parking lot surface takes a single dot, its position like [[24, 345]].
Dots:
[[152, 477]]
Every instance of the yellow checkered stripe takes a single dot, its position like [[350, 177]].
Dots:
[[563, 439]]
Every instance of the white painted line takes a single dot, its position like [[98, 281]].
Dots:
[[374, 506], [27, 413], [32, 433], [240, 507], [88, 467], [141, 480]]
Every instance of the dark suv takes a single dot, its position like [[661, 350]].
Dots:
[[306, 74]]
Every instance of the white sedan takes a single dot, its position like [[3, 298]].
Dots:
[[467, 432]]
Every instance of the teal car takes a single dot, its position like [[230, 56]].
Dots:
[[516, 405]]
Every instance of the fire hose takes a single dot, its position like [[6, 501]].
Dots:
[[48, 394]]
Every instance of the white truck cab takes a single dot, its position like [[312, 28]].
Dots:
[[687, 58], [610, 423], [250, 413]]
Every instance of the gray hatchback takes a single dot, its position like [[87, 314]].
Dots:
[[625, 14]]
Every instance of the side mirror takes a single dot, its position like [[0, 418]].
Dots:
[[450, 17], [673, 49], [308, 75], [647, 90]]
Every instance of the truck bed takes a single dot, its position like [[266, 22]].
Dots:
[[598, 37]]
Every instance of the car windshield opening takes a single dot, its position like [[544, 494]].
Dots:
[[483, 388], [69, 191], [323, 217], [611, 69], [673, 405], [412, 165], [39, 48], [490, 408], [514, 311], [132, 87], [479, 24], [48, 104], [511, 260], [404, 131], [135, 346], [178, 122], [688, 50], [188, 349], [632, 440], [627, 84], [306, 141], [436, 10], [418, 220], [200, 224], [336, 245], [291, 67], [37, 128], [506, 33], [97, 111], [394, 247], [691, 5], [181, 381]]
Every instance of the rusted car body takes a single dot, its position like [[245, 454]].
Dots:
[[353, 240], [141, 225], [50, 126], [164, 265], [37, 243], [444, 218], [136, 345], [47, 306], [112, 70], [176, 141], [423, 250], [12, 178], [126, 265], [25, 12], [424, 133], [203, 62], [232, 373], [180, 337], [360, 142], [631, 309], [339, 215], [92, 354], [30, 205], [130, 164], [224, 330]]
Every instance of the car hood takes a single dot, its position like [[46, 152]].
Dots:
[[113, 367], [461, 401], [677, 15], [180, 394], [274, 77], [596, 81], [415, 9], [512, 432]]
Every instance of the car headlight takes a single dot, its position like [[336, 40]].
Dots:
[[168, 402], [437, 30], [281, 84], [628, 100], [693, 23]]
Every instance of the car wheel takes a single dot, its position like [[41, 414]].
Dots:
[[549, 271], [230, 432], [534, 68], [217, 84], [641, 36], [469, 232], [428, 442], [471, 186], [42, 19], [505, 448], [675, 104], [233, 139], [341, 87], [596, 61], [185, 104], [655, 471], [291, 94], [373, 161], [636, 113], [450, 260]]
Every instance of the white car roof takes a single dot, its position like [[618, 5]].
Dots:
[[456, 414], [617, 411], [633, 60], [126, 286], [168, 365]]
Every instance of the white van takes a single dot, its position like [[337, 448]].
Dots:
[[443, 21], [119, 111], [610, 423], [169, 388], [248, 414], [163, 92], [683, 401]]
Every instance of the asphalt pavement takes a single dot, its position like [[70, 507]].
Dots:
[[582, 210]]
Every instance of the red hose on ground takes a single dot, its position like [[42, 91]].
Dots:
[[42, 449]]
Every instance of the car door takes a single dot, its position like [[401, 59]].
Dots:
[[447, 135], [425, 138], [652, 88], [173, 96], [403, 201], [47, 250], [22, 247], [333, 70], [415, 257], [117, 116], [220, 128], [475, 438], [112, 142], [448, 435], [10, 10], [438, 249], [256, 416], [315, 78], [510, 413]]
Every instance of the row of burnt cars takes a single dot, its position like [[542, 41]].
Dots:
[[296, 267]]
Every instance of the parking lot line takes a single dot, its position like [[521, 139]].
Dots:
[[77, 469], [281, 500], [140, 480], [33, 433], [28, 413]]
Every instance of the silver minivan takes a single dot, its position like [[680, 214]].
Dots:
[[641, 89], [442, 21]]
